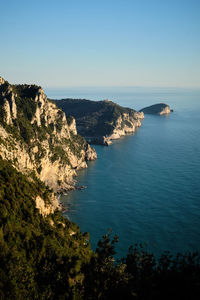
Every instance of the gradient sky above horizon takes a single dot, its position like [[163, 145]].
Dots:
[[101, 43]]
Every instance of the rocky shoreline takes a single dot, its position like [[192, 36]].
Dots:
[[61, 206]]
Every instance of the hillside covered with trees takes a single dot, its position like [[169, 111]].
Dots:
[[49, 258], [101, 121]]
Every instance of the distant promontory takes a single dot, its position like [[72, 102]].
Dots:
[[157, 109], [100, 122]]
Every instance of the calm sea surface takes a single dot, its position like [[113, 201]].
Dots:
[[145, 187]]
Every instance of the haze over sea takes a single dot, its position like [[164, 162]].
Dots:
[[146, 186]]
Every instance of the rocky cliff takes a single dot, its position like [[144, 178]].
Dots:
[[36, 136], [157, 109], [100, 122]]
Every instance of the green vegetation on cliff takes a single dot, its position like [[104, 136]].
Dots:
[[40, 257], [25, 90], [48, 257]]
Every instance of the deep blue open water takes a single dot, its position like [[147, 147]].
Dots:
[[145, 187]]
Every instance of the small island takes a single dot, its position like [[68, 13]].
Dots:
[[157, 109]]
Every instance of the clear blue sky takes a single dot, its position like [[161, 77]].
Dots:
[[68, 43]]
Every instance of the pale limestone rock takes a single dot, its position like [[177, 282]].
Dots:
[[106, 141], [139, 115], [13, 106], [35, 149], [9, 105], [3, 133], [46, 209], [8, 117], [13, 151], [125, 124], [90, 154], [50, 113], [165, 111], [37, 117], [54, 173], [72, 127], [71, 232], [2, 81], [51, 222]]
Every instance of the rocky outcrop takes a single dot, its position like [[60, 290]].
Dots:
[[72, 125], [7, 100], [100, 122], [2, 81], [158, 109], [36, 136], [46, 209], [7, 109], [90, 154], [126, 124]]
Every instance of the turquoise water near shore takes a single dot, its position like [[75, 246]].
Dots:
[[145, 187]]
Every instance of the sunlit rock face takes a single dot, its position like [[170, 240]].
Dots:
[[35, 135], [2, 81]]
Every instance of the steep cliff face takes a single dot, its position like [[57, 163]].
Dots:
[[157, 109], [126, 123], [35, 135], [100, 122]]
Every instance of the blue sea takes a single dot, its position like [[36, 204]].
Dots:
[[145, 186]]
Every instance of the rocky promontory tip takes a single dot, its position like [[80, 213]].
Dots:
[[157, 109], [2, 81]]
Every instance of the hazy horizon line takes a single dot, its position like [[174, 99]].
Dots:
[[120, 87]]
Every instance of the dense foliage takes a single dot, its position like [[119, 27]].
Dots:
[[25, 90], [40, 258], [48, 257], [94, 118]]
